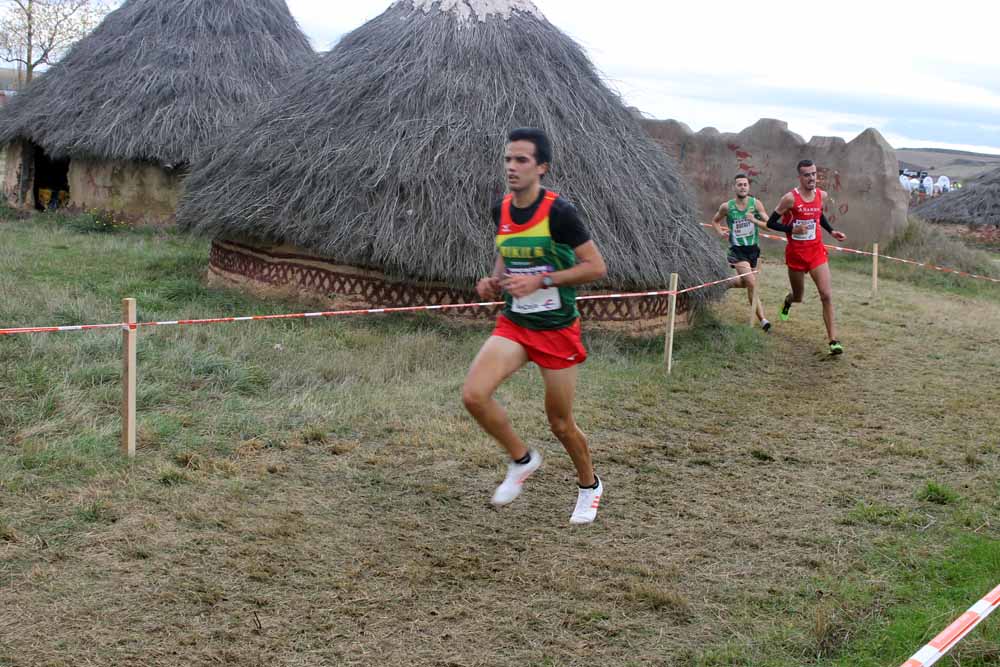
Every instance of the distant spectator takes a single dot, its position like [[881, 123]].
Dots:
[[943, 184], [905, 182]]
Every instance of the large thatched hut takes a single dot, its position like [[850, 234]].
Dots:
[[976, 204], [373, 176], [117, 122]]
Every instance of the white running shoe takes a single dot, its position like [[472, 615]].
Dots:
[[510, 488], [587, 501]]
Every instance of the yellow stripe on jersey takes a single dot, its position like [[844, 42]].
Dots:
[[535, 231]]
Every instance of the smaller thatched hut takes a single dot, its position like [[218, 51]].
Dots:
[[373, 175], [976, 204], [117, 122]]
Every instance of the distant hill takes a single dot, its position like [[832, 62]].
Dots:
[[951, 151], [957, 165]]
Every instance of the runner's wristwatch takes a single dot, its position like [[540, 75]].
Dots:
[[547, 280]]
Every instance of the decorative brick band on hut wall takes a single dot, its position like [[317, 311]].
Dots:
[[257, 266]]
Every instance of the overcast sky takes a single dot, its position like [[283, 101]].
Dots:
[[922, 73]]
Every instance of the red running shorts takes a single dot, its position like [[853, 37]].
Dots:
[[805, 258], [554, 349]]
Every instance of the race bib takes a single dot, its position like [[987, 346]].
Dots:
[[743, 228], [538, 301], [807, 230]]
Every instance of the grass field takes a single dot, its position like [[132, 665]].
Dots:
[[313, 493]]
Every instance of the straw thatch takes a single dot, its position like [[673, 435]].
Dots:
[[387, 154], [976, 204], [159, 79]]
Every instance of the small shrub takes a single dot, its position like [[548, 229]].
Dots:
[[98, 221], [879, 514], [98, 511], [173, 477], [189, 460], [314, 435], [924, 242], [662, 600], [938, 494]]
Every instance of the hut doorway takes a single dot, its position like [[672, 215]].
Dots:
[[51, 182]]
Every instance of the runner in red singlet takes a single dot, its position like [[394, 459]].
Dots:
[[800, 216]]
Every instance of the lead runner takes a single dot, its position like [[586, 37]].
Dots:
[[800, 215], [544, 252]]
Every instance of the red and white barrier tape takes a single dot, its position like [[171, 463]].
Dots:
[[855, 251], [955, 632], [337, 313]]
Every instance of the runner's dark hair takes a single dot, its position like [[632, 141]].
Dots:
[[543, 147]]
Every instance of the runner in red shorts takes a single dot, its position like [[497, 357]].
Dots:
[[544, 251], [800, 216]]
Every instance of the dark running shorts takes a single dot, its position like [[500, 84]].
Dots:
[[744, 253]]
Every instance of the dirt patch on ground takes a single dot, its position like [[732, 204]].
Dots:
[[732, 488]]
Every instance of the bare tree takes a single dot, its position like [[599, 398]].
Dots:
[[39, 32]]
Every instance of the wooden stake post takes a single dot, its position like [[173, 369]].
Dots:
[[668, 352], [874, 269], [128, 378]]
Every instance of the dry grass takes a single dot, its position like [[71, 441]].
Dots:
[[326, 503]]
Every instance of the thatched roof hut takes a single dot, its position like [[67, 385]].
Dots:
[[976, 204], [386, 156], [153, 85]]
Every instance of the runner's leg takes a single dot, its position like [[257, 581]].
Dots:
[[560, 389], [797, 280], [497, 360], [821, 276], [749, 281], [743, 268], [760, 302]]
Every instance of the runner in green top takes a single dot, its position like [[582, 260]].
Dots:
[[539, 245], [743, 215], [543, 252], [742, 230]]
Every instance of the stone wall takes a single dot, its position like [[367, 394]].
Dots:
[[861, 177]]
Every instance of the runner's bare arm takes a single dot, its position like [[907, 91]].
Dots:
[[589, 267], [758, 214], [489, 287], [785, 204], [720, 215]]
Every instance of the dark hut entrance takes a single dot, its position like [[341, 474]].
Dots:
[[51, 182]]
